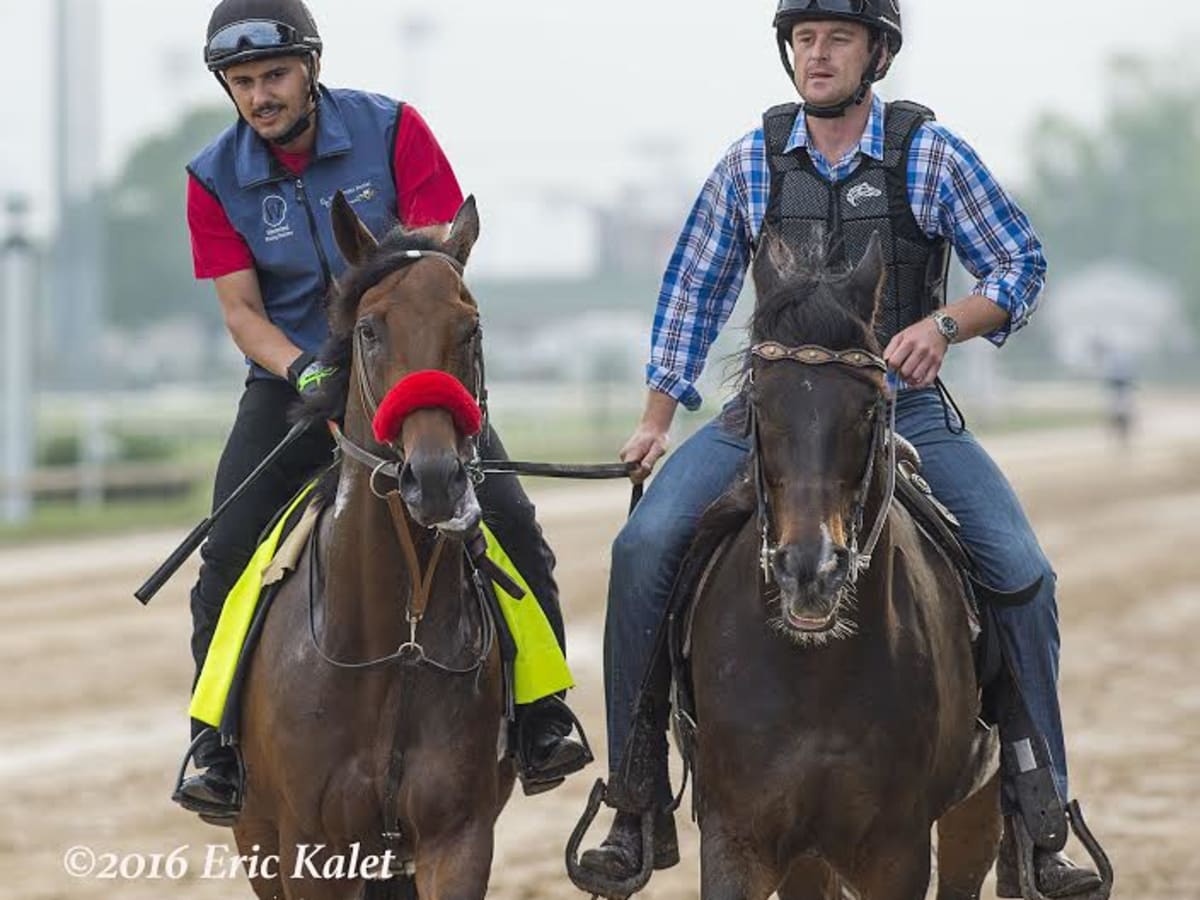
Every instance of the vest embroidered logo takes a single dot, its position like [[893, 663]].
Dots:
[[274, 210], [360, 193], [861, 192]]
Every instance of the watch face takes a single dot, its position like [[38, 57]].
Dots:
[[946, 325]]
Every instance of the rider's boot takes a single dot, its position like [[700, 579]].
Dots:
[[1056, 874], [637, 787], [619, 856], [214, 791], [546, 752]]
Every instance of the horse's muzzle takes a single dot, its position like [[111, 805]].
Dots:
[[438, 492], [810, 583]]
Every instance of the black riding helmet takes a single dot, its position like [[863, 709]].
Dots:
[[241, 31], [882, 19]]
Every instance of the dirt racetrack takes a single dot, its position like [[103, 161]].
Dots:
[[95, 686]]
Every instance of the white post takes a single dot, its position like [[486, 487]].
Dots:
[[417, 32], [19, 428], [78, 288]]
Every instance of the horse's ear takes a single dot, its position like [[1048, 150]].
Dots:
[[867, 280], [774, 262], [353, 238], [464, 231]]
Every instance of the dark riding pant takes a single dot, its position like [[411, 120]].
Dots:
[[649, 549], [260, 425]]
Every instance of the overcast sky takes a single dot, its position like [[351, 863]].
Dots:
[[536, 97]]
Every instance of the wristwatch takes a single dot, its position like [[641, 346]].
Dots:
[[946, 325]]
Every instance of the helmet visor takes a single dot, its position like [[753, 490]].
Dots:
[[848, 7], [258, 34]]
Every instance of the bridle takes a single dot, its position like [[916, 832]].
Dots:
[[883, 429], [391, 466], [366, 392]]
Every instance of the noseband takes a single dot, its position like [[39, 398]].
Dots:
[[884, 429]]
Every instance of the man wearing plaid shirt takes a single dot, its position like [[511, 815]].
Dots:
[[839, 168]]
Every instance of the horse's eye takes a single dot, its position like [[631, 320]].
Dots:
[[367, 332]]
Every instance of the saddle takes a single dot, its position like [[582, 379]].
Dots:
[[533, 664]]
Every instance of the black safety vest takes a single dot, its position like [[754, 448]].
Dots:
[[805, 207]]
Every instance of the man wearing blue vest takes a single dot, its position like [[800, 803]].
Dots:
[[260, 227], [839, 167]]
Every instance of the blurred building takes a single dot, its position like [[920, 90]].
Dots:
[[572, 282], [1117, 306]]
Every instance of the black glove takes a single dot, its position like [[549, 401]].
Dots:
[[307, 374]]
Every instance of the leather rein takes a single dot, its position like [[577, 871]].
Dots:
[[883, 430]]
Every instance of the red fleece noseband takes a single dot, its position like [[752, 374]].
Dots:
[[430, 389]]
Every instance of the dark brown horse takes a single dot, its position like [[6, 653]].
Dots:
[[831, 657], [347, 742]]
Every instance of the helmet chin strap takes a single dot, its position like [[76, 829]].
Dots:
[[298, 128], [858, 97]]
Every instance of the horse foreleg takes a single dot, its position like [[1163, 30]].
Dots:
[[259, 840], [811, 879], [730, 868], [456, 867], [968, 837], [895, 871], [303, 857]]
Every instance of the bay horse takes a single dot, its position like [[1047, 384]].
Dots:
[[831, 653], [351, 745]]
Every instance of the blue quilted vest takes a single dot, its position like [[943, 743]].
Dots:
[[285, 219]]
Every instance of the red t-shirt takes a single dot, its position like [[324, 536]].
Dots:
[[427, 193]]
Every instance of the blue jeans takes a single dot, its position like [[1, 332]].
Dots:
[[648, 551]]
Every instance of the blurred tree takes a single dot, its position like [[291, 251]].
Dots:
[[148, 258], [1130, 187]]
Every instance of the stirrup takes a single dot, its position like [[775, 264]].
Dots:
[[1027, 872], [591, 882], [210, 814]]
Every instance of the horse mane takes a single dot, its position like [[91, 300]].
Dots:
[[804, 305]]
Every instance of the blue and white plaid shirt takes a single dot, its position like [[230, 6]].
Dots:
[[953, 196]]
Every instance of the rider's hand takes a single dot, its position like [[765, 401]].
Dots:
[[645, 447], [307, 374], [917, 353]]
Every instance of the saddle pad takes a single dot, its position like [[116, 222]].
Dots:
[[220, 666], [540, 669]]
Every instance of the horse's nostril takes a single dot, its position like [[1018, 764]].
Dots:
[[789, 562], [841, 558], [820, 566], [459, 481], [433, 484], [410, 486]]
